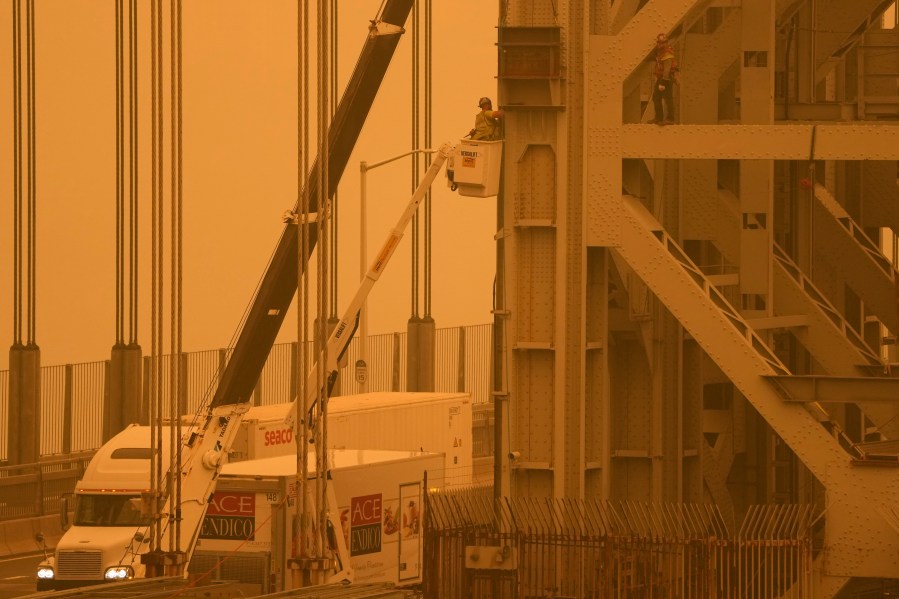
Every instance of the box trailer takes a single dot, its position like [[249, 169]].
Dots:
[[111, 533], [248, 534], [431, 422]]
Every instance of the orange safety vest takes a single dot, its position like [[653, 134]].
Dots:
[[664, 53]]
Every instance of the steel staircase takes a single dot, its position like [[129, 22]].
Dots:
[[860, 262], [831, 340], [857, 497]]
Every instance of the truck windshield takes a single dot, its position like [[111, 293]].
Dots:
[[108, 510]]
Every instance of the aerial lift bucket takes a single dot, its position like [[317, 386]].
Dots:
[[474, 167]]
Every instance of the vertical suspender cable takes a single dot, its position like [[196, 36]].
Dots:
[[133, 236], [332, 295], [427, 200], [302, 507], [173, 163], [416, 139], [156, 277], [119, 170], [32, 178], [17, 170], [176, 299], [123, 213], [154, 462], [323, 286], [180, 236]]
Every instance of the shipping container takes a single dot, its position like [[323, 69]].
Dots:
[[248, 534], [430, 422]]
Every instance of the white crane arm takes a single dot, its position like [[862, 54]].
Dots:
[[343, 332]]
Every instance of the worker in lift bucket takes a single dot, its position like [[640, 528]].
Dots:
[[665, 78], [486, 123]]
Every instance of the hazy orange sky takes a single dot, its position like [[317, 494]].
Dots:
[[239, 135]]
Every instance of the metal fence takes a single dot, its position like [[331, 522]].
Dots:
[[67, 391], [4, 413], [35, 489], [73, 395], [477, 547]]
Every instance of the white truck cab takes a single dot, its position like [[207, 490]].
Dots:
[[107, 532]]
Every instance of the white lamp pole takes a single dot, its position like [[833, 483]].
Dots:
[[364, 167], [363, 265]]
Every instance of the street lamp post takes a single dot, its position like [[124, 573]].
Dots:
[[364, 167]]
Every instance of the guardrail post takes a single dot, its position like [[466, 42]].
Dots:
[[182, 383], [460, 377], [39, 488], [294, 368], [395, 375], [67, 411]]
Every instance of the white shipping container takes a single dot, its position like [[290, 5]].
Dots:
[[430, 422], [379, 497]]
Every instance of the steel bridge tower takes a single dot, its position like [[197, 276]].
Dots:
[[703, 312]]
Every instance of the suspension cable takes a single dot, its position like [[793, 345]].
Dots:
[[119, 169], [416, 144], [17, 171], [180, 270], [303, 250], [32, 178], [323, 282], [173, 194], [332, 295], [176, 298], [156, 175], [133, 233], [427, 199]]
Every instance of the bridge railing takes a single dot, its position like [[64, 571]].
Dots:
[[73, 396], [28, 490]]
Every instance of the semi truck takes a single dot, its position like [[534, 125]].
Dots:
[[250, 513], [149, 531], [437, 422], [132, 515]]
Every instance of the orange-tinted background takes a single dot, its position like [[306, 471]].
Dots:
[[239, 168]]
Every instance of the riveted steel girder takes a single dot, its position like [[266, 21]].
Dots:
[[861, 541], [855, 494], [828, 337], [762, 142], [833, 343], [811, 388]]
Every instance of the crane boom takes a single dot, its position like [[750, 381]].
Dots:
[[343, 331], [279, 283], [206, 449]]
